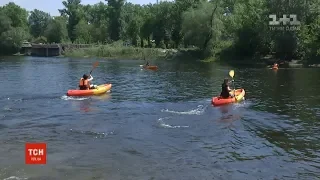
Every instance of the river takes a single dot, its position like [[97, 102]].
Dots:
[[157, 125]]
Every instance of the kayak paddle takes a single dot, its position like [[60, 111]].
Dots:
[[231, 74], [94, 66]]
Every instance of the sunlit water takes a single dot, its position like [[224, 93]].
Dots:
[[158, 124]]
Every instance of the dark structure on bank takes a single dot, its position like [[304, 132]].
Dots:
[[48, 50]]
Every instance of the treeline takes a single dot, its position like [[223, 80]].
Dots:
[[234, 29]]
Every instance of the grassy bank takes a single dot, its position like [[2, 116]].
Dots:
[[119, 52]]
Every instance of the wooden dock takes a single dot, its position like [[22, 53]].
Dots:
[[49, 50], [46, 50]]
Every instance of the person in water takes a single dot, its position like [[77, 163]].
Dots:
[[85, 83], [225, 89]]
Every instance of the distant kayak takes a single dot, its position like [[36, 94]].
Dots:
[[99, 90], [149, 67], [275, 68], [218, 101]]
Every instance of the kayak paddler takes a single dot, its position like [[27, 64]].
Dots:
[[85, 83], [147, 64], [275, 65], [225, 89]]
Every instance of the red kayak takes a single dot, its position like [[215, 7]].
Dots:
[[218, 101], [151, 67], [98, 91]]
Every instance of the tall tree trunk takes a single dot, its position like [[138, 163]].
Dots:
[[208, 38]]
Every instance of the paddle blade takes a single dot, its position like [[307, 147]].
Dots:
[[231, 73], [141, 65], [95, 64]]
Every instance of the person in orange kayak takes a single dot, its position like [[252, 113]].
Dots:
[[147, 64], [85, 83], [275, 65], [225, 89]]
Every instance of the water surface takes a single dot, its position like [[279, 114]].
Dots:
[[158, 124]]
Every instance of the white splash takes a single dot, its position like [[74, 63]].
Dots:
[[164, 125], [198, 111], [14, 178], [72, 98]]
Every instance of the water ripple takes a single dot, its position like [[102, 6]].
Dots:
[[92, 133], [198, 111], [164, 125]]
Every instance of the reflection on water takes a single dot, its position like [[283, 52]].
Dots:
[[85, 105], [88, 104], [229, 115], [103, 97]]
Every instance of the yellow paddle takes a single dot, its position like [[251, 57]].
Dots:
[[231, 74]]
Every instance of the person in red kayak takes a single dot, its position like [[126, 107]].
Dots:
[[275, 65], [85, 83], [225, 89]]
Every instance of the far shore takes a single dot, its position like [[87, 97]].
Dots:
[[110, 52], [187, 54]]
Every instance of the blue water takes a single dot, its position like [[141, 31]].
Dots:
[[158, 124]]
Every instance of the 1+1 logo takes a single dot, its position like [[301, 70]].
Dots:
[[293, 24], [36, 153]]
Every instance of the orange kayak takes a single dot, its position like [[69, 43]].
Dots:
[[151, 67], [218, 101], [275, 68], [99, 90]]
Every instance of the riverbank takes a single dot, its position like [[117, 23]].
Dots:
[[118, 51], [115, 52], [267, 60]]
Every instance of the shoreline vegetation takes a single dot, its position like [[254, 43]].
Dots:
[[233, 32], [120, 52], [115, 51], [137, 53]]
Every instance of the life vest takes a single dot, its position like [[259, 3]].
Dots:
[[84, 84], [224, 91]]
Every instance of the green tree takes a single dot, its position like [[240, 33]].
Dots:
[[114, 13], [11, 40], [163, 25], [97, 16], [309, 35], [38, 22], [132, 19], [202, 26], [17, 15], [56, 31], [248, 25], [147, 25], [82, 32], [73, 10], [5, 22], [13, 23], [180, 6]]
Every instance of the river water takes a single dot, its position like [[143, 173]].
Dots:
[[158, 124]]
